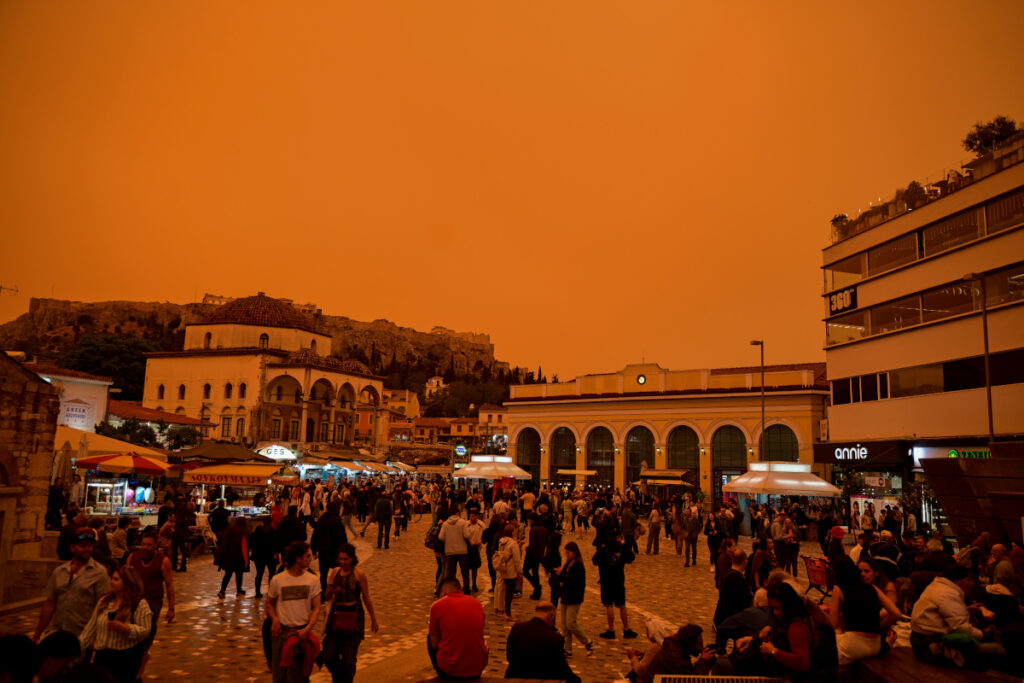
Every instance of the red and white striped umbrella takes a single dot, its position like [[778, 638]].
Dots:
[[118, 463]]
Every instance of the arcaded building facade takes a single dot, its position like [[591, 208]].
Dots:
[[707, 422]]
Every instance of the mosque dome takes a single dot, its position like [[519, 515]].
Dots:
[[261, 311]]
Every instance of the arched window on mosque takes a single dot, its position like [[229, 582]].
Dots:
[[264, 341]]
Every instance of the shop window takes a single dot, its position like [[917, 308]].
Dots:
[[780, 444], [846, 328], [241, 390], [227, 390], [264, 341], [840, 392], [225, 427], [293, 430], [1004, 212], [948, 233], [892, 254], [844, 273], [563, 450], [275, 428], [181, 392], [206, 391], [683, 449], [160, 392], [896, 315]]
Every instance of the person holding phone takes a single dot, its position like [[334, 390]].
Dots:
[[674, 656]]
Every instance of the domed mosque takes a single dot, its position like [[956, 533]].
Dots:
[[260, 369]]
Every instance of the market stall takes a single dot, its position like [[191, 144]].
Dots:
[[246, 479], [491, 467], [782, 479], [122, 495]]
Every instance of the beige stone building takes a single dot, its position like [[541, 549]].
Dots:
[[707, 422], [261, 371], [29, 407]]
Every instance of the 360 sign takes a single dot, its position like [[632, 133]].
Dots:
[[843, 300]]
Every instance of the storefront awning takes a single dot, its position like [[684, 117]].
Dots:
[[376, 467], [492, 467], [578, 473], [434, 469], [662, 474], [663, 482], [781, 479], [402, 466], [238, 474]]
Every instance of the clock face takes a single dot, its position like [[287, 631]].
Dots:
[[641, 379]]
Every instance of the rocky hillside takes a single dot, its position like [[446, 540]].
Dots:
[[51, 327]]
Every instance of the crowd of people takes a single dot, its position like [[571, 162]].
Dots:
[[890, 582]]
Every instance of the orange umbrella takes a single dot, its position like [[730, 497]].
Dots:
[[122, 463]]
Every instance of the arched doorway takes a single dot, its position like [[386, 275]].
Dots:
[[528, 453], [728, 455], [780, 444], [639, 449], [563, 455], [684, 453], [601, 456]]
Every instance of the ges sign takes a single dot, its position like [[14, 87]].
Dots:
[[857, 452]]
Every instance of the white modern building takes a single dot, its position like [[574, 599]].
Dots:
[[912, 291]]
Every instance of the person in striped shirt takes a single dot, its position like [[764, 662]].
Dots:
[[119, 626]]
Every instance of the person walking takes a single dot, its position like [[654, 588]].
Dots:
[[293, 605], [474, 542], [611, 559], [508, 564], [154, 570], [119, 627], [263, 552], [653, 537], [713, 532], [454, 534], [73, 589], [535, 551], [573, 575], [348, 589], [328, 535], [233, 555], [382, 513], [184, 525], [691, 532]]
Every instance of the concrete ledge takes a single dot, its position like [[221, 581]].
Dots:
[[22, 605]]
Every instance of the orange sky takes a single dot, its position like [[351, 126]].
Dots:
[[588, 182]]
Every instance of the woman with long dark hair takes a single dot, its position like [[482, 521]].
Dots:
[[349, 589], [119, 626], [855, 614], [574, 584], [233, 555]]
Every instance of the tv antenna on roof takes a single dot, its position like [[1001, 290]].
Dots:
[[13, 290]]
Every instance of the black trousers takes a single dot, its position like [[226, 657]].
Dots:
[[260, 568], [383, 533]]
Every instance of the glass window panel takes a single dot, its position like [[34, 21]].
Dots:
[[966, 373], [883, 385], [563, 449], [855, 389], [948, 301], [844, 273], [840, 392], [921, 379], [1007, 367], [683, 449], [729, 448], [1005, 286], [846, 328], [780, 444], [869, 388], [892, 254], [1004, 212], [896, 315], [963, 227], [528, 447]]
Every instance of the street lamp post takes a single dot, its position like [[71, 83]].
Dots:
[[760, 441], [980, 278]]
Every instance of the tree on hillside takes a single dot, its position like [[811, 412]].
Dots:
[[119, 357], [985, 137]]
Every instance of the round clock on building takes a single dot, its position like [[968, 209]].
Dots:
[[641, 379]]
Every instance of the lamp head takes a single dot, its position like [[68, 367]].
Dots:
[[757, 342]]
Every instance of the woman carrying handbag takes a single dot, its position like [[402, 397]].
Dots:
[[349, 590]]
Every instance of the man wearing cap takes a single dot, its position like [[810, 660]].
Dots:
[[74, 588]]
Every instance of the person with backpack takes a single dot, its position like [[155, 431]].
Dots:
[[508, 565], [611, 559]]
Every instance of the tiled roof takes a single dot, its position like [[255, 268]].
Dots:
[[491, 408], [262, 311], [52, 371], [431, 422], [126, 411], [464, 420]]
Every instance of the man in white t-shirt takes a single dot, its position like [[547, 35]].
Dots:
[[500, 507], [293, 605], [526, 501]]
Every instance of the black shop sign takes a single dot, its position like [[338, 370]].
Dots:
[[859, 454]]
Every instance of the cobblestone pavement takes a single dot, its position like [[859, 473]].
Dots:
[[220, 639]]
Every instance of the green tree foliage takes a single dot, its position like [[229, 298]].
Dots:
[[455, 401], [119, 357], [985, 137], [176, 438], [130, 430]]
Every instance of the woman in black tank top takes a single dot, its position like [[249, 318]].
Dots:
[[349, 591], [855, 613]]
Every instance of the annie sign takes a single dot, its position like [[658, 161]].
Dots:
[[856, 454]]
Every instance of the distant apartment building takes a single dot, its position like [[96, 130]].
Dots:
[[434, 385], [911, 294], [492, 428], [403, 401]]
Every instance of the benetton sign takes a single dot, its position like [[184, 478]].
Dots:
[[862, 453]]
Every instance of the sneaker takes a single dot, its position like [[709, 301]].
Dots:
[[609, 635], [629, 633], [590, 648]]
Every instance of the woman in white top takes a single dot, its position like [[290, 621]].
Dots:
[[119, 626], [654, 535]]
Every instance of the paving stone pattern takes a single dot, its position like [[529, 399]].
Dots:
[[220, 639]]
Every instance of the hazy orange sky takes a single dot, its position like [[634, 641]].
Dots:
[[588, 182]]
